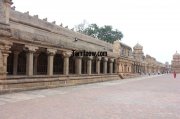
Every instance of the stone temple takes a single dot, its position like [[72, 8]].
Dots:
[[35, 53], [176, 62]]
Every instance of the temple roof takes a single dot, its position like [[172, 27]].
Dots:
[[138, 46], [176, 55]]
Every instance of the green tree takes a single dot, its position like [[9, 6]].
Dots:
[[105, 33], [92, 30]]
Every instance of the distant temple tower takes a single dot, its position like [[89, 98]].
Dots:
[[176, 62], [138, 52]]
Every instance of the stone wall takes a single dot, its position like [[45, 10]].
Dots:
[[31, 28], [26, 41], [25, 83]]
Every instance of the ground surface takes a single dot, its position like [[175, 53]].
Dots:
[[154, 97]]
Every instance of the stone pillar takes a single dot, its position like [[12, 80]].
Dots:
[[35, 63], [5, 61], [105, 59], [115, 66], [136, 68], [89, 64], [29, 59], [118, 68], [140, 69], [50, 64], [111, 60], [51, 53], [4, 52], [98, 60], [78, 65], [66, 62], [15, 62], [145, 69], [29, 63], [131, 68]]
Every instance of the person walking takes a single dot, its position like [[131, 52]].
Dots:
[[174, 74]]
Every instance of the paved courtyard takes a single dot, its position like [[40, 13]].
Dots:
[[149, 97]]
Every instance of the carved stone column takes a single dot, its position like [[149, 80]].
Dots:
[[132, 68], [35, 63], [138, 68], [29, 63], [105, 59], [78, 65], [89, 63], [111, 60], [15, 62], [4, 52], [29, 59], [51, 53], [5, 55], [98, 60], [66, 62], [115, 69]]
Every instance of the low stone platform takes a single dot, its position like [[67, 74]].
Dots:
[[20, 83], [129, 75]]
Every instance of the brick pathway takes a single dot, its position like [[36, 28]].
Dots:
[[155, 97]]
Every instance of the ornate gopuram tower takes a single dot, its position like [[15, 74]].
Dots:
[[176, 62]]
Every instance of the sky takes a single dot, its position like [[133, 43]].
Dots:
[[155, 24]]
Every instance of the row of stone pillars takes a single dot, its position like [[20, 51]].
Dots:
[[78, 65], [31, 63], [138, 69]]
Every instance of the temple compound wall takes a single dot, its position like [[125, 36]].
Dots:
[[37, 54]]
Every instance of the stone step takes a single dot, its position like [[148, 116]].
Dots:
[[21, 84]]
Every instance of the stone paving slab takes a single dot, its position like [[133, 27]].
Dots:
[[156, 97], [27, 95], [2, 102]]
